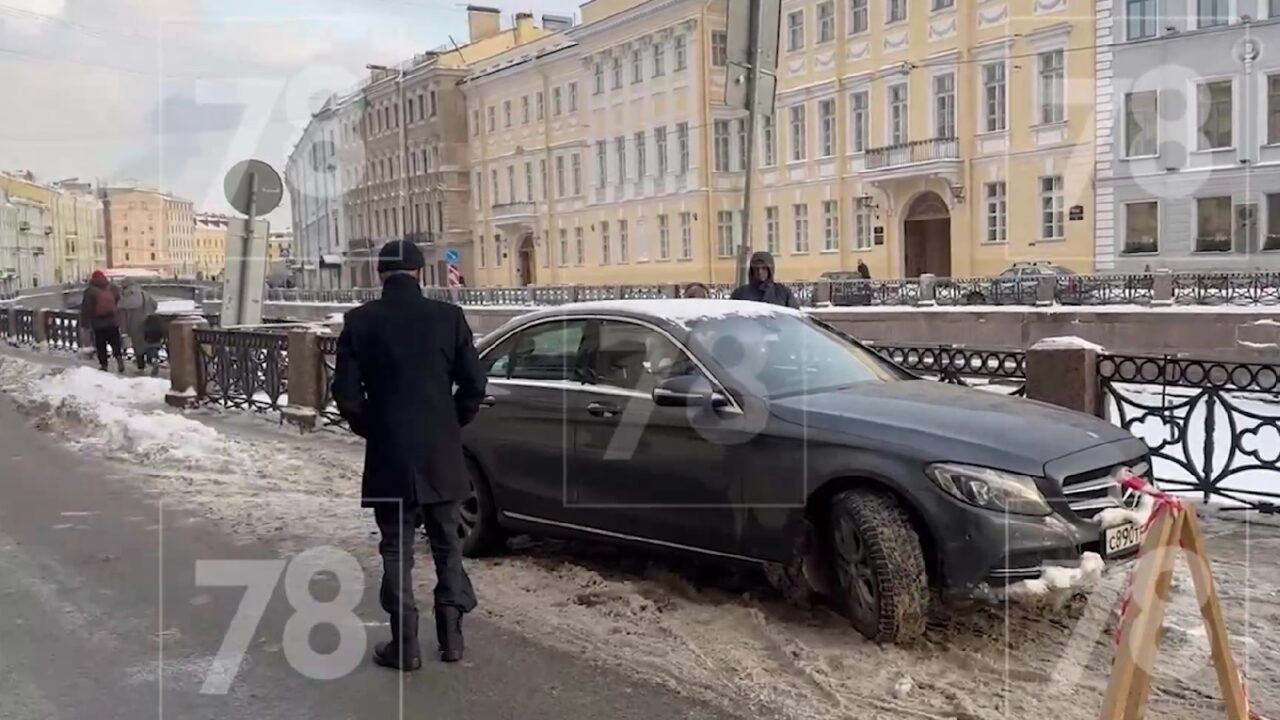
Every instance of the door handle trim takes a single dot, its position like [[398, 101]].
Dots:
[[600, 409], [488, 401]]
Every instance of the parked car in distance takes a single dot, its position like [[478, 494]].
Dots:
[[751, 433], [1019, 284]]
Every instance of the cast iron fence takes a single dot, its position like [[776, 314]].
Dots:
[[24, 326], [1131, 289], [1252, 288], [1212, 426], [993, 369], [328, 348], [62, 330], [243, 370]]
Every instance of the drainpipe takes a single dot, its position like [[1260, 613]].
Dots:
[[552, 268], [704, 127]]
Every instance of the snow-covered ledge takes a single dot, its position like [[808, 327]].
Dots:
[[1064, 371]]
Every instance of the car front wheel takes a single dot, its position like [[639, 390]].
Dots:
[[878, 566], [478, 527]]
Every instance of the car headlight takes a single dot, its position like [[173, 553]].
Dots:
[[989, 488]]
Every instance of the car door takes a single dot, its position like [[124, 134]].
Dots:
[[523, 435], [641, 470]]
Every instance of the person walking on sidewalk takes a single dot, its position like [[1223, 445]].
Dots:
[[399, 359], [136, 305], [98, 313]]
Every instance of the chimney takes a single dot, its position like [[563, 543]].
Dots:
[[524, 26], [556, 23], [483, 22]]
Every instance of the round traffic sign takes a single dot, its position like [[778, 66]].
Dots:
[[257, 177], [451, 256]]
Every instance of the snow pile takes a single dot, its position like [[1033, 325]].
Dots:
[[1119, 515], [1057, 584], [685, 311], [1066, 342], [110, 413], [176, 307]]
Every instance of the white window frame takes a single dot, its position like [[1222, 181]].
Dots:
[[826, 25], [794, 29], [797, 117], [1062, 79], [1125, 105], [800, 229], [771, 229], [1152, 20], [1124, 240], [892, 127], [827, 127], [896, 11], [831, 226], [859, 119], [859, 9], [769, 141], [1195, 223], [1196, 115], [1228, 19], [997, 208], [999, 123], [664, 237], [686, 236], [1059, 210], [660, 148], [862, 227], [724, 233], [950, 105]]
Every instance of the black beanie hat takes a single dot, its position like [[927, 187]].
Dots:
[[400, 255]]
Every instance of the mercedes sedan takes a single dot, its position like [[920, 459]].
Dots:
[[752, 433]]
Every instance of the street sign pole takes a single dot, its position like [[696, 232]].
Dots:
[[253, 188], [245, 273], [753, 82]]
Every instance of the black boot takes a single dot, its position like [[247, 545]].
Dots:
[[449, 633], [402, 652], [120, 365]]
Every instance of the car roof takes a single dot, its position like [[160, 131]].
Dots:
[[675, 311]]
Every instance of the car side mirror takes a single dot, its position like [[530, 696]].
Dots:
[[692, 390]]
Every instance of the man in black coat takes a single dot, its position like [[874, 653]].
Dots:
[[761, 286], [399, 360]]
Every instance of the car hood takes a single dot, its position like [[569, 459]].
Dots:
[[943, 422]]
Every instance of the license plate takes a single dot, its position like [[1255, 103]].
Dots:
[[1121, 539]]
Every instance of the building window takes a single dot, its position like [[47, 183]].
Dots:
[[555, 102], [659, 60], [493, 183], [686, 236], [1246, 226], [1141, 124], [539, 111], [1052, 87], [641, 160], [859, 21], [564, 247], [771, 229], [1141, 19], [524, 109], [898, 120], [573, 97], [939, 5], [623, 253], [797, 133], [944, 106], [598, 74], [681, 53], [660, 147], [602, 165], [1273, 107], [993, 93], [1214, 105], [724, 233], [741, 132], [897, 11], [1052, 220], [577, 174], [1142, 227], [827, 127], [862, 227], [719, 48], [580, 249], [801, 240], [511, 183], [1213, 224], [795, 31], [826, 21], [768, 140], [617, 73], [682, 145], [1212, 13], [492, 113], [620, 149], [637, 67], [997, 212], [528, 182], [559, 176], [506, 113], [858, 108], [604, 242], [542, 177], [1273, 8], [1272, 240], [664, 238], [830, 225], [431, 99]]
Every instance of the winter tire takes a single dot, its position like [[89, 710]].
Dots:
[[878, 567], [478, 527]]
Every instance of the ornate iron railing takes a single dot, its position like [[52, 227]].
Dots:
[[1213, 426], [329, 415], [23, 331], [875, 292], [245, 370], [62, 330], [998, 370], [1253, 288], [1134, 289], [4, 324]]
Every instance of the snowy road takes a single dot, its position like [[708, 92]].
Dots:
[[722, 639]]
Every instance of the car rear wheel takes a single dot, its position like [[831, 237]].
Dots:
[[878, 566], [478, 527]]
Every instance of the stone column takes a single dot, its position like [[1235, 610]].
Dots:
[[822, 293], [12, 310], [1064, 372], [928, 290], [306, 378], [40, 328], [184, 362], [672, 290], [1046, 290], [1162, 288]]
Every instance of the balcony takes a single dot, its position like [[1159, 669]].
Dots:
[[939, 157], [515, 218]]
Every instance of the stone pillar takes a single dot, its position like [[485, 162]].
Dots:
[[40, 327], [1064, 372], [1162, 288], [822, 293], [574, 293], [306, 378], [184, 362], [1046, 290], [928, 290], [672, 290], [13, 321]]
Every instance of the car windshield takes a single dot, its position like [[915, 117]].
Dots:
[[784, 355]]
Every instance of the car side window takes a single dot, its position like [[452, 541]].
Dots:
[[548, 351], [634, 357]]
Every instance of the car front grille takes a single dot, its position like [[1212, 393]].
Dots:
[[1090, 493]]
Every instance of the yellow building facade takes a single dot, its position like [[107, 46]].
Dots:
[[74, 241], [944, 137], [210, 237], [149, 230]]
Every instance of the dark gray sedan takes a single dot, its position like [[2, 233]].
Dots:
[[753, 433]]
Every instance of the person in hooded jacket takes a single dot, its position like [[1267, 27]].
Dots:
[[135, 306], [399, 359], [761, 286], [98, 312]]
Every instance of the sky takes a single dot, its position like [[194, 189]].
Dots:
[[172, 93]]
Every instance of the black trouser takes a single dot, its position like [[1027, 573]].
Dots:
[[102, 337], [453, 587]]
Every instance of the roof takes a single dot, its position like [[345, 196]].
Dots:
[[679, 311]]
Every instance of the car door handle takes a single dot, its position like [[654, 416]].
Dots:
[[488, 401], [600, 409]]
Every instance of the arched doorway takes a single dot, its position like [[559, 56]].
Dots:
[[528, 261], [926, 237]]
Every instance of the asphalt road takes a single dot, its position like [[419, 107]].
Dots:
[[101, 618]]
